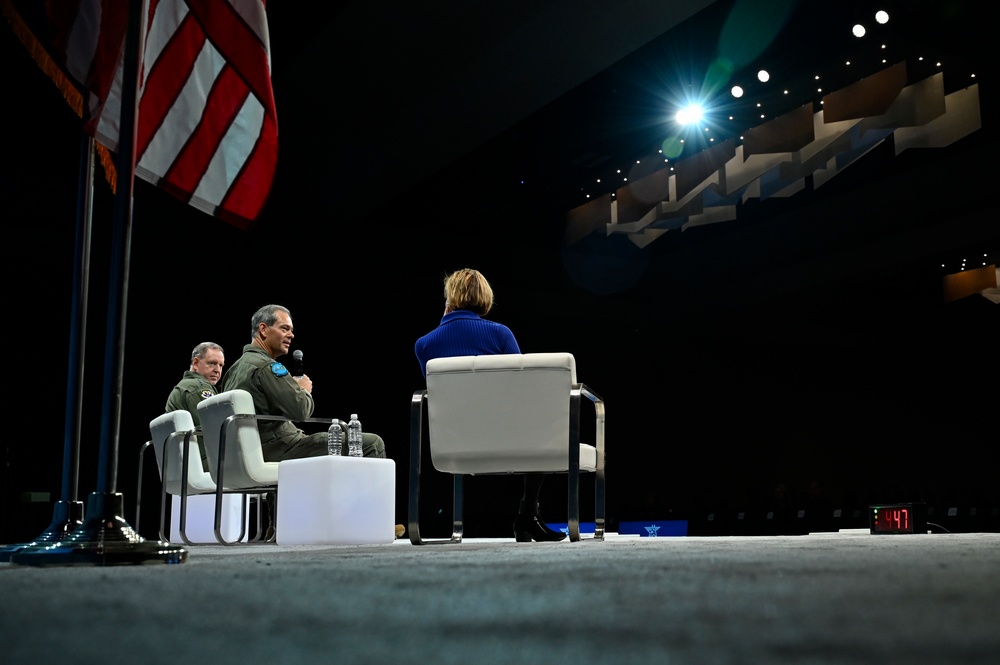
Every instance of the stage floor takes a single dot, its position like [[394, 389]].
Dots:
[[847, 597]]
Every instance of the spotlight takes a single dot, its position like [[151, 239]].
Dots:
[[858, 30], [763, 76], [737, 91], [882, 17], [689, 115]]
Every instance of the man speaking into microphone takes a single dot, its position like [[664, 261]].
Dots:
[[276, 391]]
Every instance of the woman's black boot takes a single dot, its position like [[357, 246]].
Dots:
[[529, 526]]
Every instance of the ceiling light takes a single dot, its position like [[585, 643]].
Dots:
[[689, 115], [882, 17], [858, 30]]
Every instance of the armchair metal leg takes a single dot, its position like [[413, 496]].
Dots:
[[418, 406], [573, 481], [573, 498], [599, 486], [138, 484]]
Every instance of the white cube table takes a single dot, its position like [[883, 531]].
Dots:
[[334, 500]]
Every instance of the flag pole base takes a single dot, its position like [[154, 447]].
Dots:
[[66, 517], [103, 539]]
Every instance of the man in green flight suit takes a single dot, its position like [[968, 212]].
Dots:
[[276, 392], [197, 384]]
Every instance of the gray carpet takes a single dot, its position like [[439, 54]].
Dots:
[[846, 597]]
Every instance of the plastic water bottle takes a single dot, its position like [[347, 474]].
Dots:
[[335, 439], [354, 436]]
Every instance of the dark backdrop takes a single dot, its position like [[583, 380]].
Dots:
[[800, 357]]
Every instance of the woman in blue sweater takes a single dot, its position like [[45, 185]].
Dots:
[[464, 332]]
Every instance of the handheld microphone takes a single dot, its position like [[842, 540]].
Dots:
[[297, 363]]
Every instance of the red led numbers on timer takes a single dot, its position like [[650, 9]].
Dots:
[[895, 519]]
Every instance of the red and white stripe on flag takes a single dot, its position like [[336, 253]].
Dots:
[[206, 128]]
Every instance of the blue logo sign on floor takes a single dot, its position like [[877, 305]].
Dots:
[[654, 528]]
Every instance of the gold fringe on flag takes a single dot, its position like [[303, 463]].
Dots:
[[108, 162], [42, 58]]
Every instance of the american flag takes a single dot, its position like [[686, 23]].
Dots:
[[207, 130]]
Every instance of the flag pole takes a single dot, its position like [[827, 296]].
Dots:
[[105, 537]]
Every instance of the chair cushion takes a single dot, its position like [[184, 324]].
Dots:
[[505, 361]]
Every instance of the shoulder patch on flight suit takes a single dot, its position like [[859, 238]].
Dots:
[[278, 369], [205, 394]]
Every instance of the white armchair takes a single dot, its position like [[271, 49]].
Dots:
[[500, 414]]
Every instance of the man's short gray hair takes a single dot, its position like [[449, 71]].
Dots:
[[203, 348], [268, 315]]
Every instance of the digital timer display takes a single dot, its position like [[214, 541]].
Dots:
[[897, 518]]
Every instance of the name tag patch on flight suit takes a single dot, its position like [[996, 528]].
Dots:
[[278, 369]]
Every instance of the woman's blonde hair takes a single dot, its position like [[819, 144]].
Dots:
[[468, 289]]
